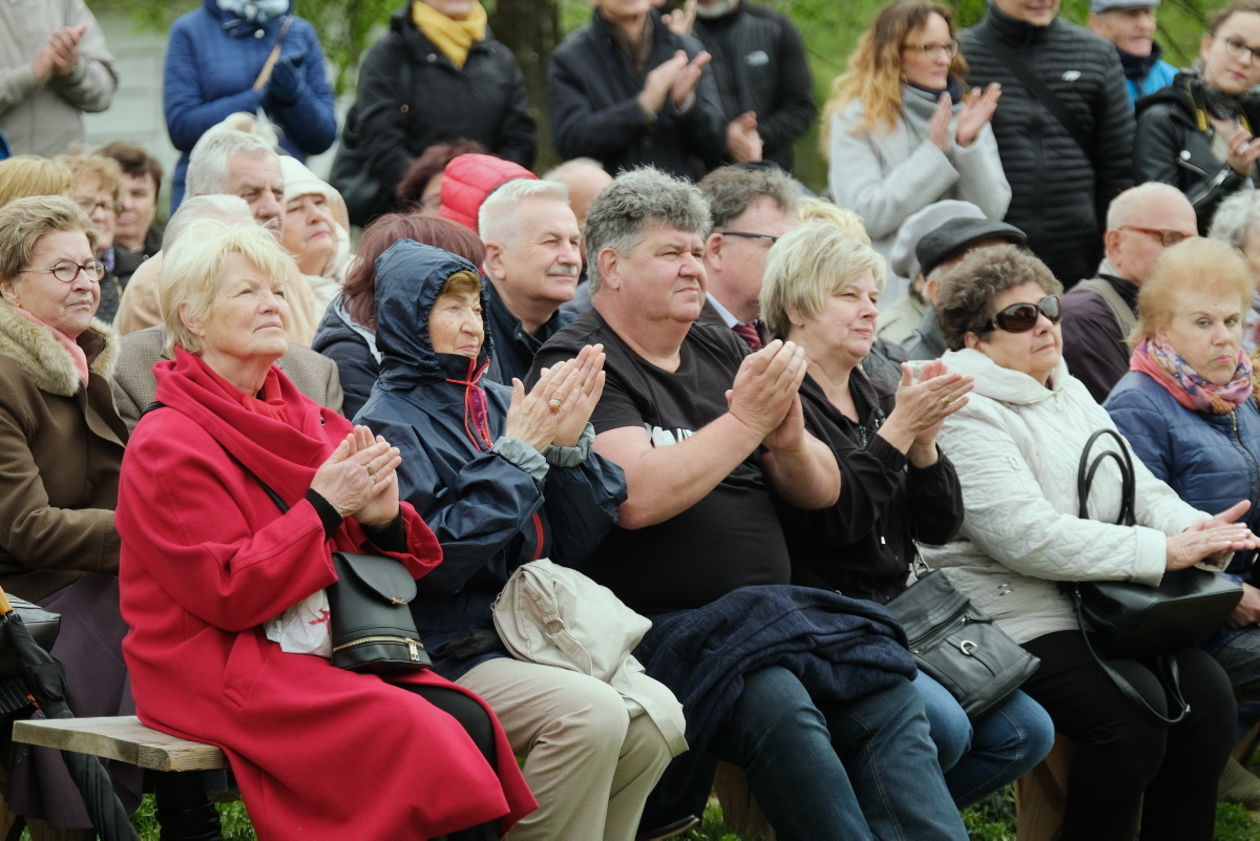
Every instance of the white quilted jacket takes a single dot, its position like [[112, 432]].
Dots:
[[1016, 447]]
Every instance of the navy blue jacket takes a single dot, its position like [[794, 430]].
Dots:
[[489, 515], [357, 368], [210, 71], [1211, 461]]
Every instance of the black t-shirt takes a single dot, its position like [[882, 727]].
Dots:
[[729, 539]]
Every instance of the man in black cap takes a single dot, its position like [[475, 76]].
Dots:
[[1098, 314], [938, 252]]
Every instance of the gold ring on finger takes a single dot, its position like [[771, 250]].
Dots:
[[553, 405], [946, 401], [369, 469]]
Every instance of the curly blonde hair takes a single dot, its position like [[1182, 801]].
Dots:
[[874, 74]]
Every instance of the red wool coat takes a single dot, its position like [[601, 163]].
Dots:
[[318, 752]]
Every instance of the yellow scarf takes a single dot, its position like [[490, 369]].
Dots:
[[452, 37]]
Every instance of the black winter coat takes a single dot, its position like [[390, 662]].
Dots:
[[760, 66], [483, 101], [864, 544], [489, 515], [1174, 145], [1059, 192], [591, 97], [357, 367]]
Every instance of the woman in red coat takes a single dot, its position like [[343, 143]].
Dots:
[[208, 559]]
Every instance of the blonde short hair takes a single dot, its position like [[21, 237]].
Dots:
[[31, 175], [106, 172], [23, 222], [813, 208], [195, 266], [809, 264], [1210, 268]]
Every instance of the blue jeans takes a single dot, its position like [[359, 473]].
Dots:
[[980, 757], [859, 771]]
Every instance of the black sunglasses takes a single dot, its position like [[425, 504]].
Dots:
[[1020, 318]]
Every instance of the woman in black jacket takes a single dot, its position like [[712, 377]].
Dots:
[[820, 291], [1198, 133], [436, 77]]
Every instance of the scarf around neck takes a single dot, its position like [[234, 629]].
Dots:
[[1161, 362], [454, 38], [1138, 67]]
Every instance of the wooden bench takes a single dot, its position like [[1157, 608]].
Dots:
[[123, 739]]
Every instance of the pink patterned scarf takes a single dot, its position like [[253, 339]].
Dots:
[[1162, 363]]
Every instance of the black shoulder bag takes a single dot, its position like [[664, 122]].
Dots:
[[1135, 620]]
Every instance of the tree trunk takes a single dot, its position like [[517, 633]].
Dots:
[[531, 30]]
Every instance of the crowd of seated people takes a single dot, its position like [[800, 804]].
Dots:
[[750, 413]]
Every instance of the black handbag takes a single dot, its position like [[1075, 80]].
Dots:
[[372, 626], [43, 625], [959, 646], [1135, 620]]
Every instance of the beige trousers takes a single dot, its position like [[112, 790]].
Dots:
[[590, 764]]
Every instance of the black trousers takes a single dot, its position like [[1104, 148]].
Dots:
[[1130, 771], [474, 719]]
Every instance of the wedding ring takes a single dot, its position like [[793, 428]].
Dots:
[[946, 401], [553, 405], [369, 469]]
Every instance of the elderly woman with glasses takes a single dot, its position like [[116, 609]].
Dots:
[[61, 448], [820, 291], [1198, 134], [1016, 446], [901, 134]]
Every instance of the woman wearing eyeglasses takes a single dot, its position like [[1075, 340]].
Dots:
[[1016, 446], [1186, 406], [1198, 134], [899, 132], [61, 447], [820, 291]]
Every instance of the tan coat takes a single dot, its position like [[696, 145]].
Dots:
[[314, 374], [61, 448]]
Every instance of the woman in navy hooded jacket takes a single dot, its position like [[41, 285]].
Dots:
[[1187, 407], [213, 57], [503, 478]]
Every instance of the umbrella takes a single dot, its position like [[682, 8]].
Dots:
[[45, 681]]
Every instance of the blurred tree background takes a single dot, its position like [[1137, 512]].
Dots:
[[532, 28]]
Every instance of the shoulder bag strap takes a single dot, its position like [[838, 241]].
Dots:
[[264, 75], [1123, 314], [1167, 663], [1017, 64]]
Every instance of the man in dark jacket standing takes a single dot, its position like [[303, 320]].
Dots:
[[627, 91], [763, 79], [437, 76], [1067, 149]]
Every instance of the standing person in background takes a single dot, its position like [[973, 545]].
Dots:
[[246, 56], [1130, 25], [627, 91], [53, 65], [1197, 133], [438, 76], [1062, 174], [763, 79], [899, 133]]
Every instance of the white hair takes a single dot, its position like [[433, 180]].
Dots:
[[210, 160], [220, 206], [498, 221]]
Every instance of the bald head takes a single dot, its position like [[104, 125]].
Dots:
[[1143, 221]]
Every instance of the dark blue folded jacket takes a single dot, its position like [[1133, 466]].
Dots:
[[841, 649]]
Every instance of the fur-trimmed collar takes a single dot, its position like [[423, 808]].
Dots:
[[45, 361]]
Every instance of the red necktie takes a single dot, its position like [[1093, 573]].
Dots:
[[748, 333]]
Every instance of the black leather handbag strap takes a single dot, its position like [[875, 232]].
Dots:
[[1019, 66], [1170, 673]]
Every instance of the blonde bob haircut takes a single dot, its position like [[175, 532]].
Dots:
[[196, 266], [808, 265], [812, 208], [31, 175], [1207, 269], [24, 221], [874, 75]]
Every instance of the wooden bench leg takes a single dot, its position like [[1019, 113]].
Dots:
[[739, 807]]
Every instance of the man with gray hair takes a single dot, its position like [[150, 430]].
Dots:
[[1099, 313], [710, 437], [750, 207], [314, 374], [533, 263]]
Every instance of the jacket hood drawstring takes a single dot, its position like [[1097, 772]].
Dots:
[[476, 417]]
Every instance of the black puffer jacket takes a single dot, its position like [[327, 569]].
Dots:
[[483, 101], [1174, 145], [1059, 193], [760, 66], [591, 97]]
